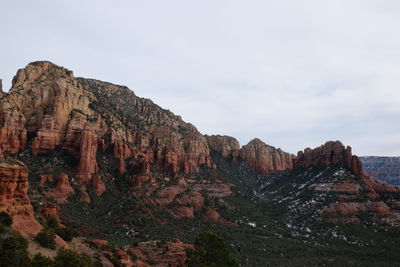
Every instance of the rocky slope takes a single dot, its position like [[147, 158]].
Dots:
[[383, 168], [262, 157], [14, 198], [47, 108], [328, 183]]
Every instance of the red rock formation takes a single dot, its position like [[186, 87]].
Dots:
[[213, 216], [170, 254], [194, 199], [85, 197], [348, 212], [357, 195], [44, 178], [14, 198], [51, 211], [100, 242], [227, 146], [329, 153], [62, 191], [76, 115], [265, 158], [87, 162], [13, 135], [182, 212], [98, 186]]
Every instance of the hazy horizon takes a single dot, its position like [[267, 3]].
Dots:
[[294, 74]]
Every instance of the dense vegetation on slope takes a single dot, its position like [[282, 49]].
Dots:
[[270, 227]]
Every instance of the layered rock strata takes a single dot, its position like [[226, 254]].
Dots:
[[47, 108], [14, 199], [329, 153], [227, 146], [265, 158]]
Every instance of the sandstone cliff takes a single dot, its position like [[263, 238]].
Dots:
[[227, 146], [14, 198], [47, 108], [265, 158], [329, 153]]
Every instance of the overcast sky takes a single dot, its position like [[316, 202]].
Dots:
[[292, 73]]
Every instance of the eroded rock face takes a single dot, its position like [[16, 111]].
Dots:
[[62, 191], [14, 198], [265, 158], [361, 196], [329, 153], [55, 110], [227, 146], [169, 254]]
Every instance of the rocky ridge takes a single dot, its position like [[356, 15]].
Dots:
[[383, 168], [262, 157], [329, 153], [265, 158], [47, 108]]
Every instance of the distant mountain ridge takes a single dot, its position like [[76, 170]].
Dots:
[[386, 169]]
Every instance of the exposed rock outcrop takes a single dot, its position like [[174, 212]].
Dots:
[[360, 195], [329, 153], [227, 146], [53, 109], [62, 191], [170, 253], [265, 158], [14, 198]]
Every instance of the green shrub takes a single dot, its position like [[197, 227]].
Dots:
[[210, 250], [46, 239], [5, 219], [67, 233], [13, 250], [42, 261], [52, 223], [69, 258]]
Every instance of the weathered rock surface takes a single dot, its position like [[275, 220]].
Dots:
[[44, 178], [169, 254], [227, 146], [265, 158], [361, 196], [62, 191], [383, 168], [14, 198], [329, 153], [54, 110]]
